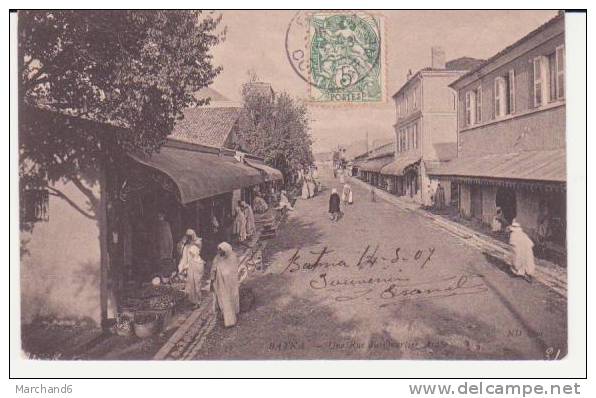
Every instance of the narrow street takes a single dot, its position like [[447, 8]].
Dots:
[[384, 283]]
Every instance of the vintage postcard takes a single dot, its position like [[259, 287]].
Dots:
[[283, 185]]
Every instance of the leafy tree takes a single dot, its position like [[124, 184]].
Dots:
[[136, 70], [96, 84], [276, 127]]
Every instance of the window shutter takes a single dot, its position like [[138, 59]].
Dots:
[[479, 104], [539, 81], [468, 121], [511, 91], [416, 136], [560, 67], [497, 99]]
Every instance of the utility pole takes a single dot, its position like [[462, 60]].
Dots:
[[366, 142]]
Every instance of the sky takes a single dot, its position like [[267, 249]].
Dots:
[[255, 40]]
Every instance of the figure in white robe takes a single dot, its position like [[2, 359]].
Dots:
[[311, 187], [305, 193], [342, 177], [346, 195], [193, 265], [523, 254], [284, 202], [240, 224], [251, 228], [226, 285]]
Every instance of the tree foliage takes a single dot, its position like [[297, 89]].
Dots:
[[276, 127], [133, 69], [137, 68]]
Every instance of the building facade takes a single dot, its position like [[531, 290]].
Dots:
[[426, 127], [511, 136]]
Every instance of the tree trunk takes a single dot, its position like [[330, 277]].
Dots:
[[102, 222]]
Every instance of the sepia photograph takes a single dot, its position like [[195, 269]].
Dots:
[[292, 185]]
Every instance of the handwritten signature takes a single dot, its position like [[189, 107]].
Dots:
[[394, 293], [367, 259], [391, 289]]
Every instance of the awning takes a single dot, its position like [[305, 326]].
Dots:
[[269, 173], [538, 166], [200, 175], [396, 168], [375, 165]]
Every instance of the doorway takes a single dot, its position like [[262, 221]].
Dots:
[[476, 199], [505, 199]]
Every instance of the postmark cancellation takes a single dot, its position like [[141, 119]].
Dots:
[[339, 54]]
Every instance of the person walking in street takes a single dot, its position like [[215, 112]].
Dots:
[[440, 197], [429, 198], [226, 286], [192, 265], [251, 228], [523, 254], [346, 196], [240, 223], [334, 205], [310, 181], [305, 188], [373, 194]]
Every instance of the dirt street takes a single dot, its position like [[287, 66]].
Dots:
[[384, 283]]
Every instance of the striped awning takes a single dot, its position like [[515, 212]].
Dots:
[[397, 167], [200, 175], [375, 165]]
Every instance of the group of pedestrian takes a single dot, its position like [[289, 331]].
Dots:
[[244, 222], [223, 279]]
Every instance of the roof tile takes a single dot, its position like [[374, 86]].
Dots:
[[209, 126]]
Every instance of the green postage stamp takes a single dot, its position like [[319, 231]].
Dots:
[[341, 58]]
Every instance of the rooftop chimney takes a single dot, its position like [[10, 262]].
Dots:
[[437, 58], [409, 75]]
